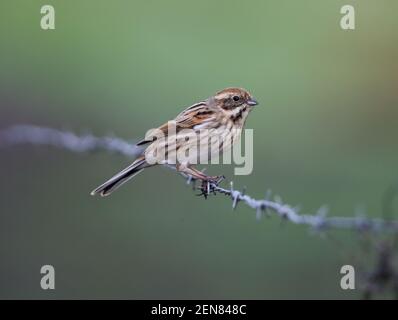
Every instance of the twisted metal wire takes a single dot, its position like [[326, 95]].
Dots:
[[29, 134]]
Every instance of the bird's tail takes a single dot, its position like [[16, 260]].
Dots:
[[123, 176]]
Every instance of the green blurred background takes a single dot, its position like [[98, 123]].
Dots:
[[325, 133]]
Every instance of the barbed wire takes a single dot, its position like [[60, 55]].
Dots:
[[30, 134], [22, 134]]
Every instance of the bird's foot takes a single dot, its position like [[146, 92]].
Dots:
[[209, 184]]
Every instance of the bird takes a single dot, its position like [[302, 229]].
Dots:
[[220, 117]]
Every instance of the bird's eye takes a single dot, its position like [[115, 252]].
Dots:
[[235, 98]]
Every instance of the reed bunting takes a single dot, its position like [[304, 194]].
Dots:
[[219, 118]]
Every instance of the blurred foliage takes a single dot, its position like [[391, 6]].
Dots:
[[325, 132]]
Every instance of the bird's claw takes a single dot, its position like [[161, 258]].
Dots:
[[208, 185]]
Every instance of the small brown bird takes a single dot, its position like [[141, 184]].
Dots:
[[221, 116]]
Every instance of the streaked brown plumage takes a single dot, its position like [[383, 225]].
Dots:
[[221, 116]]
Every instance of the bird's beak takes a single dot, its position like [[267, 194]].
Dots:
[[252, 102]]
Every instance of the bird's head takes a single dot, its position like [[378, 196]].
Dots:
[[231, 98]]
